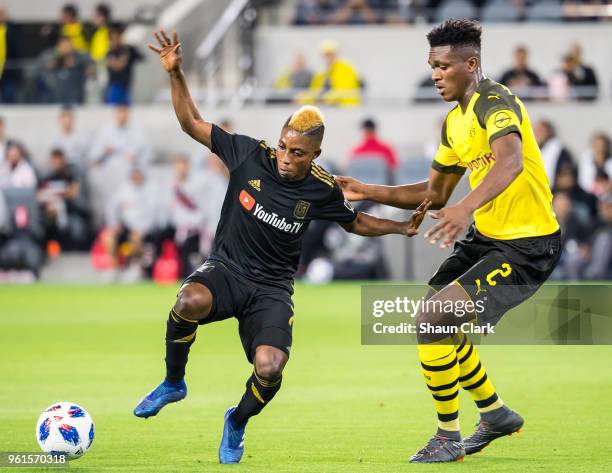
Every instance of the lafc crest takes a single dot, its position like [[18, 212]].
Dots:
[[301, 209]]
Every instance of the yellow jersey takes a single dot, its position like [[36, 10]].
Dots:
[[2, 47], [524, 208]]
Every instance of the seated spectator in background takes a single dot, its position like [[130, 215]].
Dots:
[[4, 141], [100, 41], [583, 202], [356, 12], [520, 78], [554, 153], [64, 209], [10, 71], [599, 265], [131, 217], [371, 147], [187, 213], [338, 84], [66, 70], [297, 77], [580, 76], [73, 145], [16, 170], [117, 148], [120, 60], [595, 165], [575, 234], [314, 12], [121, 141]]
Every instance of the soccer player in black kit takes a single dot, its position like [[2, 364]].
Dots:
[[272, 196]]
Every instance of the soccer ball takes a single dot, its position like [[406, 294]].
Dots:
[[65, 427]]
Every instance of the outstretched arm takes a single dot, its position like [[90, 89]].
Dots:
[[437, 189], [368, 225], [187, 113]]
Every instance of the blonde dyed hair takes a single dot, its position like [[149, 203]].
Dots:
[[307, 119]]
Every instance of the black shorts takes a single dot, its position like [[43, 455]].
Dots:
[[265, 316], [498, 274]]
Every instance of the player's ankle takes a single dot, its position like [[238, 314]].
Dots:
[[174, 384], [496, 414], [449, 434]]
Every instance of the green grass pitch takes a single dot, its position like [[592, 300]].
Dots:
[[343, 407]]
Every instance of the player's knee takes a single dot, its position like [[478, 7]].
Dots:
[[270, 362], [193, 302]]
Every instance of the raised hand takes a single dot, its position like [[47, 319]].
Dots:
[[452, 222], [170, 54], [413, 224]]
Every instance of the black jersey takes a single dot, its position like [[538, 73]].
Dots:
[[264, 217]]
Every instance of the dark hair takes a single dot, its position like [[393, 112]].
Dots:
[[58, 152], [549, 127], [368, 124], [104, 10], [606, 139], [456, 33], [71, 10]]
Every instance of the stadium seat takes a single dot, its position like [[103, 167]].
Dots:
[[372, 170], [412, 170], [547, 10], [499, 11], [456, 9]]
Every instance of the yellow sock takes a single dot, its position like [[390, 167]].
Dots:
[[441, 371], [473, 377]]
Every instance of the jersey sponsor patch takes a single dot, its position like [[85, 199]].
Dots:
[[247, 200], [501, 119]]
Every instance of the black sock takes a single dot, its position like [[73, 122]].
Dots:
[[180, 335], [258, 393]]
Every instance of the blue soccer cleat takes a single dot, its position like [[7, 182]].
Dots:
[[232, 443], [163, 394]]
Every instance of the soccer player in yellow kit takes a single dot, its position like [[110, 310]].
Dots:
[[509, 251]]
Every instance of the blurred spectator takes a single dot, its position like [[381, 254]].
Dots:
[[580, 77], [66, 70], [554, 153], [116, 149], [72, 28], [356, 12], [600, 262], [575, 233], [339, 84], [4, 141], [10, 73], [520, 78], [314, 12], [583, 202], [120, 61], [16, 170], [64, 209], [595, 165], [73, 145], [187, 213], [121, 141], [100, 41], [371, 147], [297, 77], [426, 92], [131, 216]]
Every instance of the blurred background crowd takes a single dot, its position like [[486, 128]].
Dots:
[[88, 176]]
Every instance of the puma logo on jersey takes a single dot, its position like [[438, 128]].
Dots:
[[255, 184]]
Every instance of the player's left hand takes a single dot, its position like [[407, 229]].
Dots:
[[417, 217], [452, 223]]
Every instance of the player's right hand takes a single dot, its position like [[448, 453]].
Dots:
[[417, 217], [352, 189], [170, 54]]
